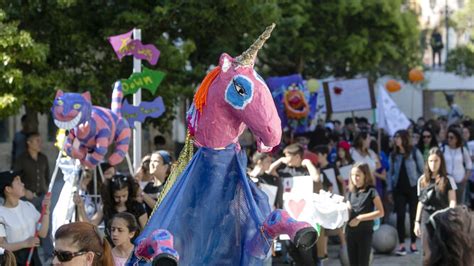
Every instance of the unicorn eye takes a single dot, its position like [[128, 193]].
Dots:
[[77, 106], [239, 88], [59, 102]]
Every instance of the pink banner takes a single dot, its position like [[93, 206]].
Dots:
[[119, 42], [141, 51]]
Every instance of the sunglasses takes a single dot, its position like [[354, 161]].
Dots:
[[64, 256]]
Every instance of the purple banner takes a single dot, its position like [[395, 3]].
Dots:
[[145, 109], [141, 51], [119, 42]]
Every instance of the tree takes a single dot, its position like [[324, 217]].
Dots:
[[461, 61], [344, 38], [189, 34], [20, 56]]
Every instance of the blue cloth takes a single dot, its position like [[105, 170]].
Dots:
[[213, 211]]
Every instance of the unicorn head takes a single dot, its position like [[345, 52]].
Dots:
[[232, 97]]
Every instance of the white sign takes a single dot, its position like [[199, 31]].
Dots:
[[331, 175], [271, 192], [298, 197], [348, 95], [345, 171]]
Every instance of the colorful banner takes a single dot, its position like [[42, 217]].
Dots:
[[119, 42], [141, 51], [280, 88], [147, 79], [145, 109]]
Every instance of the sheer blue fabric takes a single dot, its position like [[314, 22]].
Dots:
[[213, 211]]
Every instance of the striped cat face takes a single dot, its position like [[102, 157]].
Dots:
[[71, 109]]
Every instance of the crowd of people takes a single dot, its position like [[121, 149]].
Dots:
[[416, 173], [426, 167]]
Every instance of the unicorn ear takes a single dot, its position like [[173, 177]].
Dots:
[[59, 93], [87, 96], [225, 62]]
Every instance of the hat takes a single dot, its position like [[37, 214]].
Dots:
[[345, 145], [6, 179], [165, 156]]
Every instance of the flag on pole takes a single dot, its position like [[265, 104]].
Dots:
[[120, 42], [389, 116]]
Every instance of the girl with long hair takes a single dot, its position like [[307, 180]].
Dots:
[[123, 229], [118, 195], [361, 151], [81, 243], [436, 191], [406, 165], [364, 206]]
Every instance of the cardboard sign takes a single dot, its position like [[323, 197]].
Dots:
[[147, 79], [349, 95], [297, 197], [145, 109]]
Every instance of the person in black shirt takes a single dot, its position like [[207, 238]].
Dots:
[[261, 163], [436, 191], [362, 200], [160, 168], [289, 166], [118, 195]]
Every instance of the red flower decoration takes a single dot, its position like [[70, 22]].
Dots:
[[338, 90]]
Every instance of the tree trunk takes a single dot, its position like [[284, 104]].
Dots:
[[31, 124]]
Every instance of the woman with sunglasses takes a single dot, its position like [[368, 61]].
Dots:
[[436, 191], [426, 142], [406, 166], [81, 243], [458, 161], [118, 195]]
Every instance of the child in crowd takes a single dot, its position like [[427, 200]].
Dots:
[[289, 166], [123, 229], [118, 195], [364, 206], [18, 219], [329, 174], [261, 164], [160, 169], [436, 191], [143, 175]]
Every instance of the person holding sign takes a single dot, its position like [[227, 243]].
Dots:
[[287, 167], [365, 206], [332, 182]]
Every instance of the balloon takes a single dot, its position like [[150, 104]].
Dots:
[[415, 75], [392, 85], [313, 85]]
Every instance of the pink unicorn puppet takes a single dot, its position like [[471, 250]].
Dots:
[[92, 129], [218, 217]]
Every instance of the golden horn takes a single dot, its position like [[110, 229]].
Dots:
[[247, 58]]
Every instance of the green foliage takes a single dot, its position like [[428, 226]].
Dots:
[[461, 61], [344, 38], [63, 43]]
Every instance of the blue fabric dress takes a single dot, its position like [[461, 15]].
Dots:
[[213, 211]]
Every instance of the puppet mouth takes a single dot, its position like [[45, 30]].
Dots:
[[69, 124]]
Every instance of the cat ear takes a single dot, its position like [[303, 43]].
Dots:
[[87, 96], [59, 93]]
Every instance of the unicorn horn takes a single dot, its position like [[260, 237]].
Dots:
[[247, 58]]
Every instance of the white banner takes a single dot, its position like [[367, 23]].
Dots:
[[389, 116]]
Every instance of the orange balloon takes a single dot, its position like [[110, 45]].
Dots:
[[393, 85], [415, 75]]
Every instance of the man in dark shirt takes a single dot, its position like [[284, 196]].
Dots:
[[19, 141], [34, 166]]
